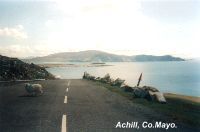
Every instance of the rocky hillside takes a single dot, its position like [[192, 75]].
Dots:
[[15, 69]]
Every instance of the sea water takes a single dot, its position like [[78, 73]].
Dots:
[[182, 77]]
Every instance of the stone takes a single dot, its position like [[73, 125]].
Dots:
[[157, 96], [139, 92], [127, 88], [106, 79], [88, 76], [97, 79], [118, 82], [91, 77], [150, 88]]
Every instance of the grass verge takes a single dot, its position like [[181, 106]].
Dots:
[[180, 108]]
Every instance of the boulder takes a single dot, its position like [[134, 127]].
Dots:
[[118, 82], [127, 88], [149, 93], [106, 79], [150, 88], [157, 96], [111, 81], [86, 75], [97, 79], [91, 77], [139, 92]]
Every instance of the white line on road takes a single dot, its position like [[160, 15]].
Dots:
[[68, 83], [67, 89], [64, 123], [65, 100]]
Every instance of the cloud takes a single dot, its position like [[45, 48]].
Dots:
[[39, 48], [119, 25], [16, 32], [15, 50], [114, 26], [103, 25]]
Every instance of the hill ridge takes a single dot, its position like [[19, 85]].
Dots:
[[100, 56]]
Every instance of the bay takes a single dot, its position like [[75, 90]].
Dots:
[[181, 77]]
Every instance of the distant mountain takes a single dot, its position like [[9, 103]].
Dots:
[[156, 58], [99, 56], [15, 69]]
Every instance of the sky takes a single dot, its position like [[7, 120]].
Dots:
[[125, 27]]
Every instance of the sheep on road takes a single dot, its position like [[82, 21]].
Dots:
[[34, 89]]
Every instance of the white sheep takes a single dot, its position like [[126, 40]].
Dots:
[[34, 89]]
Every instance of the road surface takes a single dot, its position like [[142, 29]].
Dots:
[[71, 106]]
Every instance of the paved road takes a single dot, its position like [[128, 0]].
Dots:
[[88, 108]]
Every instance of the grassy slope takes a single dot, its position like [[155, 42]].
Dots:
[[181, 108]]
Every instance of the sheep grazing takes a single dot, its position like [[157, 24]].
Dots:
[[34, 89]]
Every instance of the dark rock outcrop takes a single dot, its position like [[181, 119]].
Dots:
[[15, 69]]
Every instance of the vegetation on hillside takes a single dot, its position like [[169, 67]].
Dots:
[[15, 69]]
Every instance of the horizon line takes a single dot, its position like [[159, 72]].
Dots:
[[30, 57]]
